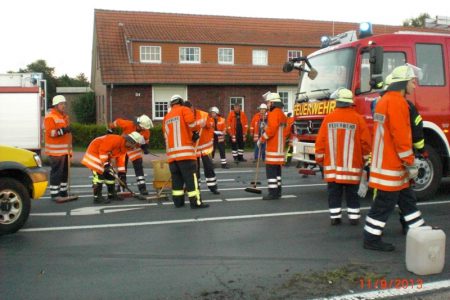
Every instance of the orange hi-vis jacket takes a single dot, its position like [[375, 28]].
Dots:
[[104, 148], [128, 127], [231, 123], [343, 145], [221, 126], [392, 145], [206, 141], [57, 145], [288, 130], [274, 137], [177, 126], [255, 125]]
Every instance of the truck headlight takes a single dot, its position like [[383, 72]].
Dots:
[[38, 161]]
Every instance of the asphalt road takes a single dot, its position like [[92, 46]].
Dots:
[[239, 248]]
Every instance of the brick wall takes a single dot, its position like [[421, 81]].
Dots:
[[127, 104], [205, 97]]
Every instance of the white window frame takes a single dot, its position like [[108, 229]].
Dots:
[[290, 53], [170, 90], [141, 48], [190, 61], [242, 100], [291, 91], [256, 57], [225, 62]]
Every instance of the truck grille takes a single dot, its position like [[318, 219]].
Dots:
[[308, 126]]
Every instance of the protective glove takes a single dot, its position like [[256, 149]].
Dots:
[[145, 148], [109, 131], [413, 171], [63, 131], [108, 169], [195, 136], [67, 129], [363, 184]]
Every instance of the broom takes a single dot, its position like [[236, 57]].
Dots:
[[253, 189], [125, 186]]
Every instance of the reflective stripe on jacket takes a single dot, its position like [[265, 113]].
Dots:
[[104, 148], [392, 145], [128, 127], [221, 126], [177, 126], [57, 145], [274, 137], [343, 145]]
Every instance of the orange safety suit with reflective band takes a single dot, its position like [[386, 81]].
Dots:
[[206, 141], [254, 125], [288, 130], [128, 127], [102, 149], [57, 145], [392, 144], [221, 126], [231, 123], [343, 145], [177, 126], [274, 137]]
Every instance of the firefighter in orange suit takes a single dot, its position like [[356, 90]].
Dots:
[[141, 125], [98, 158], [204, 147], [392, 165], [274, 137], [257, 126], [220, 129], [343, 148], [289, 133], [237, 126], [180, 133], [58, 146]]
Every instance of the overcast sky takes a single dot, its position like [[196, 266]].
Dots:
[[60, 32]]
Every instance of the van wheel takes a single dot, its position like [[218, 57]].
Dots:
[[14, 205], [430, 175]]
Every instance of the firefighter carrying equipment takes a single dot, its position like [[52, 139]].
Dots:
[[58, 99], [178, 126], [145, 122], [342, 95]]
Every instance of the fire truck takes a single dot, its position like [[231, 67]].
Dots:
[[361, 63]]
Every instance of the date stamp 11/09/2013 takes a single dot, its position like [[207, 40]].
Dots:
[[395, 283]]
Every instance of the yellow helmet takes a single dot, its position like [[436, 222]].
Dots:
[[405, 73], [342, 95]]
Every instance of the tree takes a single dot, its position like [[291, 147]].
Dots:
[[79, 81], [416, 22], [84, 108]]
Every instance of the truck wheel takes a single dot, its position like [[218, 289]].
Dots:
[[430, 175], [14, 205]]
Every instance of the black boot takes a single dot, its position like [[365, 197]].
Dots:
[[112, 194], [142, 189], [123, 178], [225, 166], [214, 191], [279, 191], [378, 245], [97, 189], [195, 203]]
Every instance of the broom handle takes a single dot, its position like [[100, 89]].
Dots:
[[257, 164]]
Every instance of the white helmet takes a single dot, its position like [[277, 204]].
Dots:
[[273, 97], [176, 99], [145, 122], [342, 95], [136, 138], [405, 73], [58, 99], [262, 106], [214, 109]]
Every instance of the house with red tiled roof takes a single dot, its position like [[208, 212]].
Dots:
[[141, 59]]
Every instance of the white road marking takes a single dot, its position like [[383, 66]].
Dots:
[[229, 172], [96, 210], [108, 211], [394, 292], [181, 221], [205, 201], [256, 198], [50, 214]]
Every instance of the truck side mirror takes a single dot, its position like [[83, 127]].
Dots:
[[376, 66]]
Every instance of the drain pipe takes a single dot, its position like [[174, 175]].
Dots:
[[110, 102]]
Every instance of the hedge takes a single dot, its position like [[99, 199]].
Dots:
[[83, 134]]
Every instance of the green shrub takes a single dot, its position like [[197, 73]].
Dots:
[[84, 108]]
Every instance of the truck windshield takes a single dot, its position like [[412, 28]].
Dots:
[[335, 70]]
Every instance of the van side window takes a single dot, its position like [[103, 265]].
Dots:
[[430, 60]]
